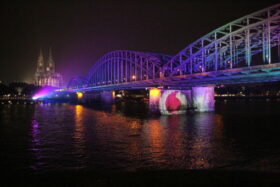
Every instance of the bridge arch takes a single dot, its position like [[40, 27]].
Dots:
[[125, 66], [230, 46], [77, 82]]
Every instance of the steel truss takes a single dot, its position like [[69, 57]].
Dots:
[[125, 66], [77, 82], [230, 46]]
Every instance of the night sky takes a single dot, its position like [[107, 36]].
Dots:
[[81, 32]]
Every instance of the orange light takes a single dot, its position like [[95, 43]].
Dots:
[[79, 95], [113, 94], [154, 92], [133, 77]]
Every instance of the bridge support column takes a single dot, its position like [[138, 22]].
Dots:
[[89, 97], [107, 97], [154, 97], [169, 101], [203, 99]]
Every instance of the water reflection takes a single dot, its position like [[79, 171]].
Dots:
[[35, 134], [35, 143], [75, 136], [79, 135], [188, 141], [175, 140], [201, 152], [154, 133]]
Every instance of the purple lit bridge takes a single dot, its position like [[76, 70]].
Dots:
[[246, 50]]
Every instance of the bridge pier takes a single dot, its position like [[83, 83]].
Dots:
[[107, 97], [87, 97], [169, 101], [154, 97], [203, 99]]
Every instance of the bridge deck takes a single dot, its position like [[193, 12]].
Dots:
[[254, 74]]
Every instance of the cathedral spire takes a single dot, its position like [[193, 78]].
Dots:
[[40, 63], [50, 64], [45, 74]]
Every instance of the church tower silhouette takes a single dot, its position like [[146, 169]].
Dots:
[[45, 74]]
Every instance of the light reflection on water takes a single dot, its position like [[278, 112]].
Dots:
[[63, 136], [79, 135]]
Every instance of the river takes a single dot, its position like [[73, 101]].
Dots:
[[241, 135]]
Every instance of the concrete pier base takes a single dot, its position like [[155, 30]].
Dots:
[[107, 97], [169, 102], [154, 97], [203, 99]]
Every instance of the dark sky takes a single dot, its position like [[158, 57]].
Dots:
[[81, 32]]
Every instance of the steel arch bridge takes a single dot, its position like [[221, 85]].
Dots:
[[126, 66], [122, 67], [77, 81], [230, 46], [245, 50]]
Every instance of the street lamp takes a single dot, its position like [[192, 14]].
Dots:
[[201, 68]]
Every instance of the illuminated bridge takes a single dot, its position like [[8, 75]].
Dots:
[[246, 50]]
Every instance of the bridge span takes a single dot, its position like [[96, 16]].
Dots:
[[246, 50]]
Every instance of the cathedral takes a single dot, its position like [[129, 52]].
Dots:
[[45, 73]]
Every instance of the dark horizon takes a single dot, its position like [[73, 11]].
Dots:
[[81, 32]]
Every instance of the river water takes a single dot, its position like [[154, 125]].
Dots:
[[125, 137]]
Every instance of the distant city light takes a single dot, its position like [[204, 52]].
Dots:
[[119, 95]]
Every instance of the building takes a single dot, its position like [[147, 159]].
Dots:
[[45, 73]]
